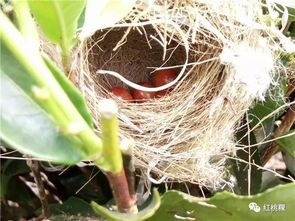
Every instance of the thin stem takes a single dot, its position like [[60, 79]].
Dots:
[[34, 166], [25, 22], [110, 134], [120, 192], [65, 47], [66, 62]]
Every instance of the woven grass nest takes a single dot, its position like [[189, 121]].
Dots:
[[224, 64]]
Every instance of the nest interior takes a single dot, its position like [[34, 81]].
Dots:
[[183, 136]]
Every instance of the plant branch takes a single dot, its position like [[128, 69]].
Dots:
[[286, 124], [110, 134], [111, 150], [120, 192], [34, 166]]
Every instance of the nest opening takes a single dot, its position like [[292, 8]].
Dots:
[[135, 59]]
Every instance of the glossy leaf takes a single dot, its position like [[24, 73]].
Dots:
[[70, 90], [28, 129], [288, 143], [141, 215], [15, 71], [22, 118], [58, 19], [226, 206]]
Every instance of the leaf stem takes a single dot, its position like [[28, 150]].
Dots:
[[25, 22], [65, 47]]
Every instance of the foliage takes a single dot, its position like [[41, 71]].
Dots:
[[58, 20], [288, 143], [43, 115], [70, 90], [23, 115], [226, 206]]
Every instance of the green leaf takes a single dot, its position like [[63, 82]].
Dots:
[[17, 191], [25, 127], [290, 162], [9, 169], [269, 180], [70, 90], [72, 207], [289, 5], [288, 143], [70, 218], [264, 108], [28, 129], [58, 19], [292, 29], [3, 185], [261, 110], [226, 206], [15, 71], [246, 176], [15, 167], [141, 215], [74, 179]]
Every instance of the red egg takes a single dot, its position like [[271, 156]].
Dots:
[[122, 93], [141, 96], [163, 77]]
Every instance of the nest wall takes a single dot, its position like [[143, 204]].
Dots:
[[188, 134], [181, 136]]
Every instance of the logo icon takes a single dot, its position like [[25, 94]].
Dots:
[[253, 206]]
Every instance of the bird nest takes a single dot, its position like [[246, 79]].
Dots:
[[187, 134]]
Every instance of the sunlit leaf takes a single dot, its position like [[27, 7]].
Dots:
[[72, 92], [58, 19]]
